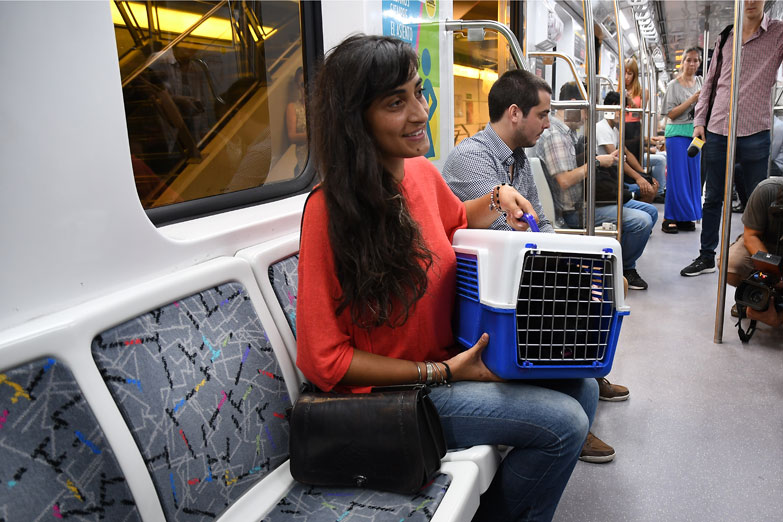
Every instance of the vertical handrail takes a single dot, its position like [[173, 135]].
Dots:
[[621, 136], [736, 70], [590, 139]]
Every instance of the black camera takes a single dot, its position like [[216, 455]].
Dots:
[[755, 291]]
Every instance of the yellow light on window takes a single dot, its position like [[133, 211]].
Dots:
[[476, 74], [175, 21]]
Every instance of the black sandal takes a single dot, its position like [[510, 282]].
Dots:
[[686, 226], [669, 226]]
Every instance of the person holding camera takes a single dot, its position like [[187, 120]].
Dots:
[[763, 220]]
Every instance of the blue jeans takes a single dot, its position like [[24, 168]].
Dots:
[[638, 221], [752, 153], [658, 169], [545, 422]]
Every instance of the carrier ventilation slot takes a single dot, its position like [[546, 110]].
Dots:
[[467, 276], [564, 308]]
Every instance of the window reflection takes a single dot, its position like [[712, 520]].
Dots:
[[206, 87]]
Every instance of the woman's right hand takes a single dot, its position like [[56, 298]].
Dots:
[[468, 366]]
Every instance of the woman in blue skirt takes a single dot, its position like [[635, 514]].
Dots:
[[683, 183]]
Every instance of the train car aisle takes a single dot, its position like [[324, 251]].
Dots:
[[701, 437]]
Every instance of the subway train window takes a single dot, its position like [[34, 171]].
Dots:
[[477, 64], [214, 96]]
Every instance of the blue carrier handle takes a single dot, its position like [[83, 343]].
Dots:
[[531, 222]]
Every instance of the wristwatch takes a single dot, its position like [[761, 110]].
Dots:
[[597, 163]]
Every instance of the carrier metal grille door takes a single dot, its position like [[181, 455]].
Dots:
[[564, 308]]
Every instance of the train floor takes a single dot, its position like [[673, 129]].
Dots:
[[701, 437]]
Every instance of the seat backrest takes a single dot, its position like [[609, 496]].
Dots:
[[284, 280], [544, 192], [56, 460], [199, 386]]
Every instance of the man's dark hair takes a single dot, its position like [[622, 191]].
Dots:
[[570, 91], [516, 87], [612, 98]]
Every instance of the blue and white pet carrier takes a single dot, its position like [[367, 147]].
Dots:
[[551, 304]]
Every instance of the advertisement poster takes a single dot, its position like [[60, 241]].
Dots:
[[416, 22]]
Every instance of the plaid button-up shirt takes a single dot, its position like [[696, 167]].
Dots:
[[761, 57], [556, 148], [483, 161]]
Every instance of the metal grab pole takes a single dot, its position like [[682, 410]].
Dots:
[[621, 136], [590, 139], [736, 70]]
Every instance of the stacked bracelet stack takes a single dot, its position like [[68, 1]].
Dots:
[[494, 198], [434, 375]]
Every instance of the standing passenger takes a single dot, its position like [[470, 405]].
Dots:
[[683, 196], [377, 280], [762, 53]]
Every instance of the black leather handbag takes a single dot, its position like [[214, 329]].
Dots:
[[388, 440]]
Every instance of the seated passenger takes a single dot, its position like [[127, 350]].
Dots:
[[557, 149], [607, 133], [495, 157], [763, 220], [377, 280]]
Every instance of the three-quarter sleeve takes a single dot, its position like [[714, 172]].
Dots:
[[324, 349]]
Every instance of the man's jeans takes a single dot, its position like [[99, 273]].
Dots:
[[638, 221], [752, 152], [545, 422], [658, 169]]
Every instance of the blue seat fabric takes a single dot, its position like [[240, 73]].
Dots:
[[56, 463]]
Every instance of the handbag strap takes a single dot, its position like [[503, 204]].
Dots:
[[724, 35]]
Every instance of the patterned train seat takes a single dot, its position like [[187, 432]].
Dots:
[[55, 461], [284, 279], [202, 392], [282, 276]]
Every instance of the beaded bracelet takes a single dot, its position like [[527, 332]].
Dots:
[[494, 198]]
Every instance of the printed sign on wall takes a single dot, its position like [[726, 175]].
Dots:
[[416, 22]]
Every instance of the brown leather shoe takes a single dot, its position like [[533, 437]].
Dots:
[[596, 451], [611, 392]]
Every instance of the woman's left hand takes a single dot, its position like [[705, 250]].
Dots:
[[515, 206]]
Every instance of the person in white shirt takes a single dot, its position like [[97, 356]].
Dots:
[[644, 187]]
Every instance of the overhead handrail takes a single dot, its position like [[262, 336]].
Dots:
[[569, 61], [157, 56], [736, 68], [516, 50]]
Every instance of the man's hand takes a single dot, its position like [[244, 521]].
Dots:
[[770, 316], [698, 132], [608, 160], [515, 206], [646, 190]]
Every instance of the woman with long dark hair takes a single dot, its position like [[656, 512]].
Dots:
[[377, 280]]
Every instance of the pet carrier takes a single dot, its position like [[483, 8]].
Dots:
[[551, 304]]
